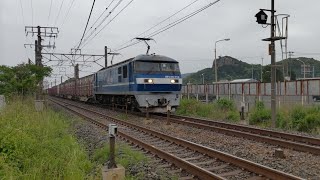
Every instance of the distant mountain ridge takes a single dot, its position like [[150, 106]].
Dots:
[[230, 68]]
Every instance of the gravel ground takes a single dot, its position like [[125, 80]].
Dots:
[[93, 138], [301, 164]]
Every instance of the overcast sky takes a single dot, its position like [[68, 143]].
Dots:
[[191, 42]]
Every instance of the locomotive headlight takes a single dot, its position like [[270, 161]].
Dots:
[[148, 81], [174, 81]]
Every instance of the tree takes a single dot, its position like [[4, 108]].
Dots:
[[266, 77], [293, 76], [21, 79]]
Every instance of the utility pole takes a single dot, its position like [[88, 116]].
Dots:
[[51, 32], [76, 71], [261, 79], [312, 71], [262, 18], [105, 56], [273, 68], [251, 71], [289, 65]]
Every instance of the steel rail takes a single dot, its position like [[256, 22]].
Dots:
[[248, 165], [255, 137], [191, 168], [299, 138]]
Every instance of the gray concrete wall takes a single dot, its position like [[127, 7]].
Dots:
[[302, 92]]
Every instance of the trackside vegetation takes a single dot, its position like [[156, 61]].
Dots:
[[299, 118], [222, 109], [38, 145], [22, 79], [124, 156]]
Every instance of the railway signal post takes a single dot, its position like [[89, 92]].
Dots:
[[262, 18]]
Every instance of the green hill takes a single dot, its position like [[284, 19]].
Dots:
[[230, 68]]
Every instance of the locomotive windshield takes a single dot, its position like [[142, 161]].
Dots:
[[141, 66]]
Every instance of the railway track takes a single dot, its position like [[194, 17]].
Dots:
[[200, 161], [286, 140]]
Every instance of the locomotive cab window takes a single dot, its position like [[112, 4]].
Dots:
[[144, 66], [125, 71], [119, 70], [169, 67]]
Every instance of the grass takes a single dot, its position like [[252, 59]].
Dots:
[[37, 145], [223, 109], [125, 156], [299, 118]]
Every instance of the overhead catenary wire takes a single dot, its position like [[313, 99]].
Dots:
[[68, 11], [55, 22], [49, 11], [23, 21], [159, 23], [169, 26], [22, 14], [87, 23], [104, 19], [31, 12], [100, 16], [181, 19], [109, 22]]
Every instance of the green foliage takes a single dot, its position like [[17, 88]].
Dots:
[[233, 116], [21, 79], [225, 104], [37, 145], [300, 118], [305, 119], [266, 77], [222, 109], [124, 156], [259, 114]]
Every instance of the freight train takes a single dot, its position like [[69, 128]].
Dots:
[[146, 83]]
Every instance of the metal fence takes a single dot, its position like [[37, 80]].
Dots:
[[289, 93]]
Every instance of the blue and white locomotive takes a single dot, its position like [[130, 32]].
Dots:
[[145, 82]]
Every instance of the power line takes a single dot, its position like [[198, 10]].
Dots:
[[67, 13], [182, 19], [104, 19], [22, 13], [101, 14], [169, 26], [109, 22], [55, 22], [49, 11], [31, 12], [87, 23], [185, 7]]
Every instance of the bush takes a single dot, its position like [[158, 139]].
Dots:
[[283, 121], [233, 116], [305, 119], [259, 114], [223, 109], [225, 104]]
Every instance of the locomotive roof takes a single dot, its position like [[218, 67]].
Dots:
[[144, 57]]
